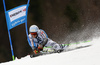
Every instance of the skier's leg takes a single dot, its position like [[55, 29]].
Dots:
[[57, 47]]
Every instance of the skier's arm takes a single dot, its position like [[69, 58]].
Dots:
[[44, 39], [31, 42], [44, 36]]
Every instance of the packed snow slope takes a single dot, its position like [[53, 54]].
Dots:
[[84, 56]]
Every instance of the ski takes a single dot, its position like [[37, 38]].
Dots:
[[70, 47]]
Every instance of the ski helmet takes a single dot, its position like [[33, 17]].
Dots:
[[33, 28]]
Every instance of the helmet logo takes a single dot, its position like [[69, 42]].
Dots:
[[33, 30]]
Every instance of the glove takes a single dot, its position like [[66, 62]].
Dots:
[[40, 47], [35, 50]]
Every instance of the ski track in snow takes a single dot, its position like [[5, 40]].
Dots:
[[84, 56]]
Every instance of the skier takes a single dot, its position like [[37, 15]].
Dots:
[[39, 39]]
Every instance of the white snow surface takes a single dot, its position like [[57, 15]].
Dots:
[[84, 56]]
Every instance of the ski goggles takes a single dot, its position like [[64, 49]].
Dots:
[[34, 33]]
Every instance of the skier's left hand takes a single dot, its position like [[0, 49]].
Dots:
[[40, 47]]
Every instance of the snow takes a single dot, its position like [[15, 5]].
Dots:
[[84, 56]]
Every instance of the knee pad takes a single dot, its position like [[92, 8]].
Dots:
[[56, 47]]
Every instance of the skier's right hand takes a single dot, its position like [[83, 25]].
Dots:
[[35, 50]]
